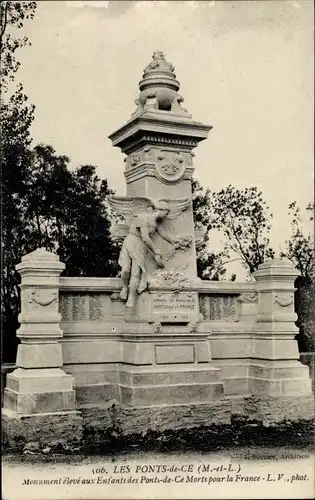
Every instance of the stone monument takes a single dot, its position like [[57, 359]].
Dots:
[[157, 348], [158, 255]]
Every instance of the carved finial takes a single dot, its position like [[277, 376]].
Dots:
[[159, 88], [159, 63]]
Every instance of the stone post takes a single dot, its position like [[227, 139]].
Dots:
[[275, 369], [39, 384]]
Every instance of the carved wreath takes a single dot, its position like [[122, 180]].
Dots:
[[283, 300], [43, 298], [174, 280], [248, 297]]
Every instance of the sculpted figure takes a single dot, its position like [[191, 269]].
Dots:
[[144, 216]]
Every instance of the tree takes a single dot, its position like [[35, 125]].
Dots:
[[300, 250], [210, 265], [15, 121], [43, 202], [67, 213], [300, 247], [12, 17], [63, 210], [244, 219]]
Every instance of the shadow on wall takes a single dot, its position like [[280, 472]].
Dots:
[[308, 359], [304, 300]]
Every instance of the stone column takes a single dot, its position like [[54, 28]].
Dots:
[[275, 369], [39, 384]]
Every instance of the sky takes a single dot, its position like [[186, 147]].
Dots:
[[246, 68]]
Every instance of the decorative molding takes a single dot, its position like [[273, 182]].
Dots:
[[115, 297], [193, 327], [87, 284], [251, 297], [43, 297], [157, 328], [139, 157], [283, 300], [166, 140]]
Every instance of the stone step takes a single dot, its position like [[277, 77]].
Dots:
[[38, 402], [96, 393], [171, 394], [158, 377]]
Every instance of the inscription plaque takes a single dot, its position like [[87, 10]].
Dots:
[[175, 307]]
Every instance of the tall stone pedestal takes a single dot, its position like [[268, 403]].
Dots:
[[172, 366], [276, 369], [39, 384], [158, 141]]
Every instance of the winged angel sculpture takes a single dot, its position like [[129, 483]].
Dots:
[[144, 217]]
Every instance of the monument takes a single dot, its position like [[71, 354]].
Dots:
[[156, 348], [158, 255]]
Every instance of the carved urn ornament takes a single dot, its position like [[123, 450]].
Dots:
[[159, 87]]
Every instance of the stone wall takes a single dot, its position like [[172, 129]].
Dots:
[[220, 349]]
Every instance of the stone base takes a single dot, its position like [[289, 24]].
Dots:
[[60, 430], [38, 391], [167, 385], [275, 378], [269, 410], [96, 426], [279, 378]]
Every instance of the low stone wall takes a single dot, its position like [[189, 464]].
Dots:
[[91, 370]]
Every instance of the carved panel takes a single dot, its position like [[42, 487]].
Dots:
[[177, 307], [83, 307], [80, 307], [145, 155], [65, 301], [218, 307], [95, 307]]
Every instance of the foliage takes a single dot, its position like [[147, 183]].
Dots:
[[44, 203], [66, 213], [243, 218], [300, 250], [210, 265], [300, 247], [12, 17], [16, 117], [62, 210]]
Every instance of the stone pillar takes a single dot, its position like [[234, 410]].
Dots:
[[39, 384], [275, 369], [158, 141]]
